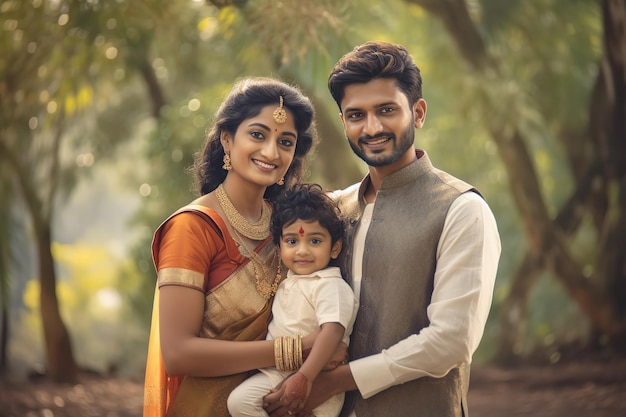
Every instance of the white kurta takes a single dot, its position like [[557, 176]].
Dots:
[[470, 241], [301, 305]]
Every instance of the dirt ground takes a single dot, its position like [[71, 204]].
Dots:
[[585, 388]]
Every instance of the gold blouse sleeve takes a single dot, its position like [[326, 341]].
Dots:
[[190, 251]]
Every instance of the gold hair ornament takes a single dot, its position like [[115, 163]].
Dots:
[[280, 115]]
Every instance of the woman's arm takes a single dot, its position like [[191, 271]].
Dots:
[[181, 311], [188, 242]]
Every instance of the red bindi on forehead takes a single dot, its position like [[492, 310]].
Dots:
[[301, 231]]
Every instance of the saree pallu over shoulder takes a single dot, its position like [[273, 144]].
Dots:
[[226, 317]]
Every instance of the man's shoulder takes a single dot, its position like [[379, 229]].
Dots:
[[348, 201], [349, 192], [460, 185]]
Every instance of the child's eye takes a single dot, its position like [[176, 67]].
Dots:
[[316, 241], [290, 241]]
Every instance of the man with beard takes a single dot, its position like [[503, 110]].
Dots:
[[421, 253]]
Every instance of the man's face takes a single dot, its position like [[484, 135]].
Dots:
[[379, 123]]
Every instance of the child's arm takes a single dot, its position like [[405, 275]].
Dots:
[[323, 350], [298, 386]]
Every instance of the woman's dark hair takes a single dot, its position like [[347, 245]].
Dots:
[[306, 202], [246, 99], [373, 60]]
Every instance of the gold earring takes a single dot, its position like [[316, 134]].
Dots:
[[281, 181], [227, 166]]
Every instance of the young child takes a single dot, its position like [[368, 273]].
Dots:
[[307, 227]]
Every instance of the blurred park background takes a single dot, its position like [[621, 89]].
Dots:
[[104, 102]]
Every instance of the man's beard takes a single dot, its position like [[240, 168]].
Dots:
[[399, 148]]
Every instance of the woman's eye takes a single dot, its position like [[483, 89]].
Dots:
[[286, 142], [256, 134]]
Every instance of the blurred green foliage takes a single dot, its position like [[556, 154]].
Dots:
[[131, 86]]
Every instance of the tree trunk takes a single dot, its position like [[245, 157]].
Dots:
[[612, 251], [4, 337], [514, 314], [330, 163], [61, 364], [157, 98], [545, 237]]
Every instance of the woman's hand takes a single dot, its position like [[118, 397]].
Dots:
[[296, 390], [324, 387], [278, 403]]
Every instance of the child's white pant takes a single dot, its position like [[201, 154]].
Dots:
[[247, 399]]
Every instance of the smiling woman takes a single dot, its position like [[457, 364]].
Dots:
[[261, 149], [214, 253]]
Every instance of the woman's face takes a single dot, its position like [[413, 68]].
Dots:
[[262, 148]]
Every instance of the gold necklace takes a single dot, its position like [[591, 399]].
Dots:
[[263, 287], [257, 231]]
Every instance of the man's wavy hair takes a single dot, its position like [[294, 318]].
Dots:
[[373, 60]]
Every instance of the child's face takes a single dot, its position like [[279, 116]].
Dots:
[[306, 247]]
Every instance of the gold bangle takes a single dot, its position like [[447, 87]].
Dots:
[[283, 355], [299, 351], [278, 353], [289, 354]]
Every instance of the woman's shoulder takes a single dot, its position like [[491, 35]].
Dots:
[[206, 213], [196, 235]]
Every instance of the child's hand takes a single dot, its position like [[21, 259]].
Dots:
[[296, 389]]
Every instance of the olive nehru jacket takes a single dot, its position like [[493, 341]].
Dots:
[[399, 263]]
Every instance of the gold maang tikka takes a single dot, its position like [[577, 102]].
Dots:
[[280, 115]]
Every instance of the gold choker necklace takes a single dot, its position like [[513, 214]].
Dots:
[[257, 231]]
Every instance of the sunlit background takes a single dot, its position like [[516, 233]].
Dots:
[[103, 104]]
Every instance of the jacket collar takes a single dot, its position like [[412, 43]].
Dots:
[[401, 177]]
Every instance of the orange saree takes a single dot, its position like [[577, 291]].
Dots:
[[197, 251]]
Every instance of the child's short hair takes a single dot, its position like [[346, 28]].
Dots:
[[306, 202]]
